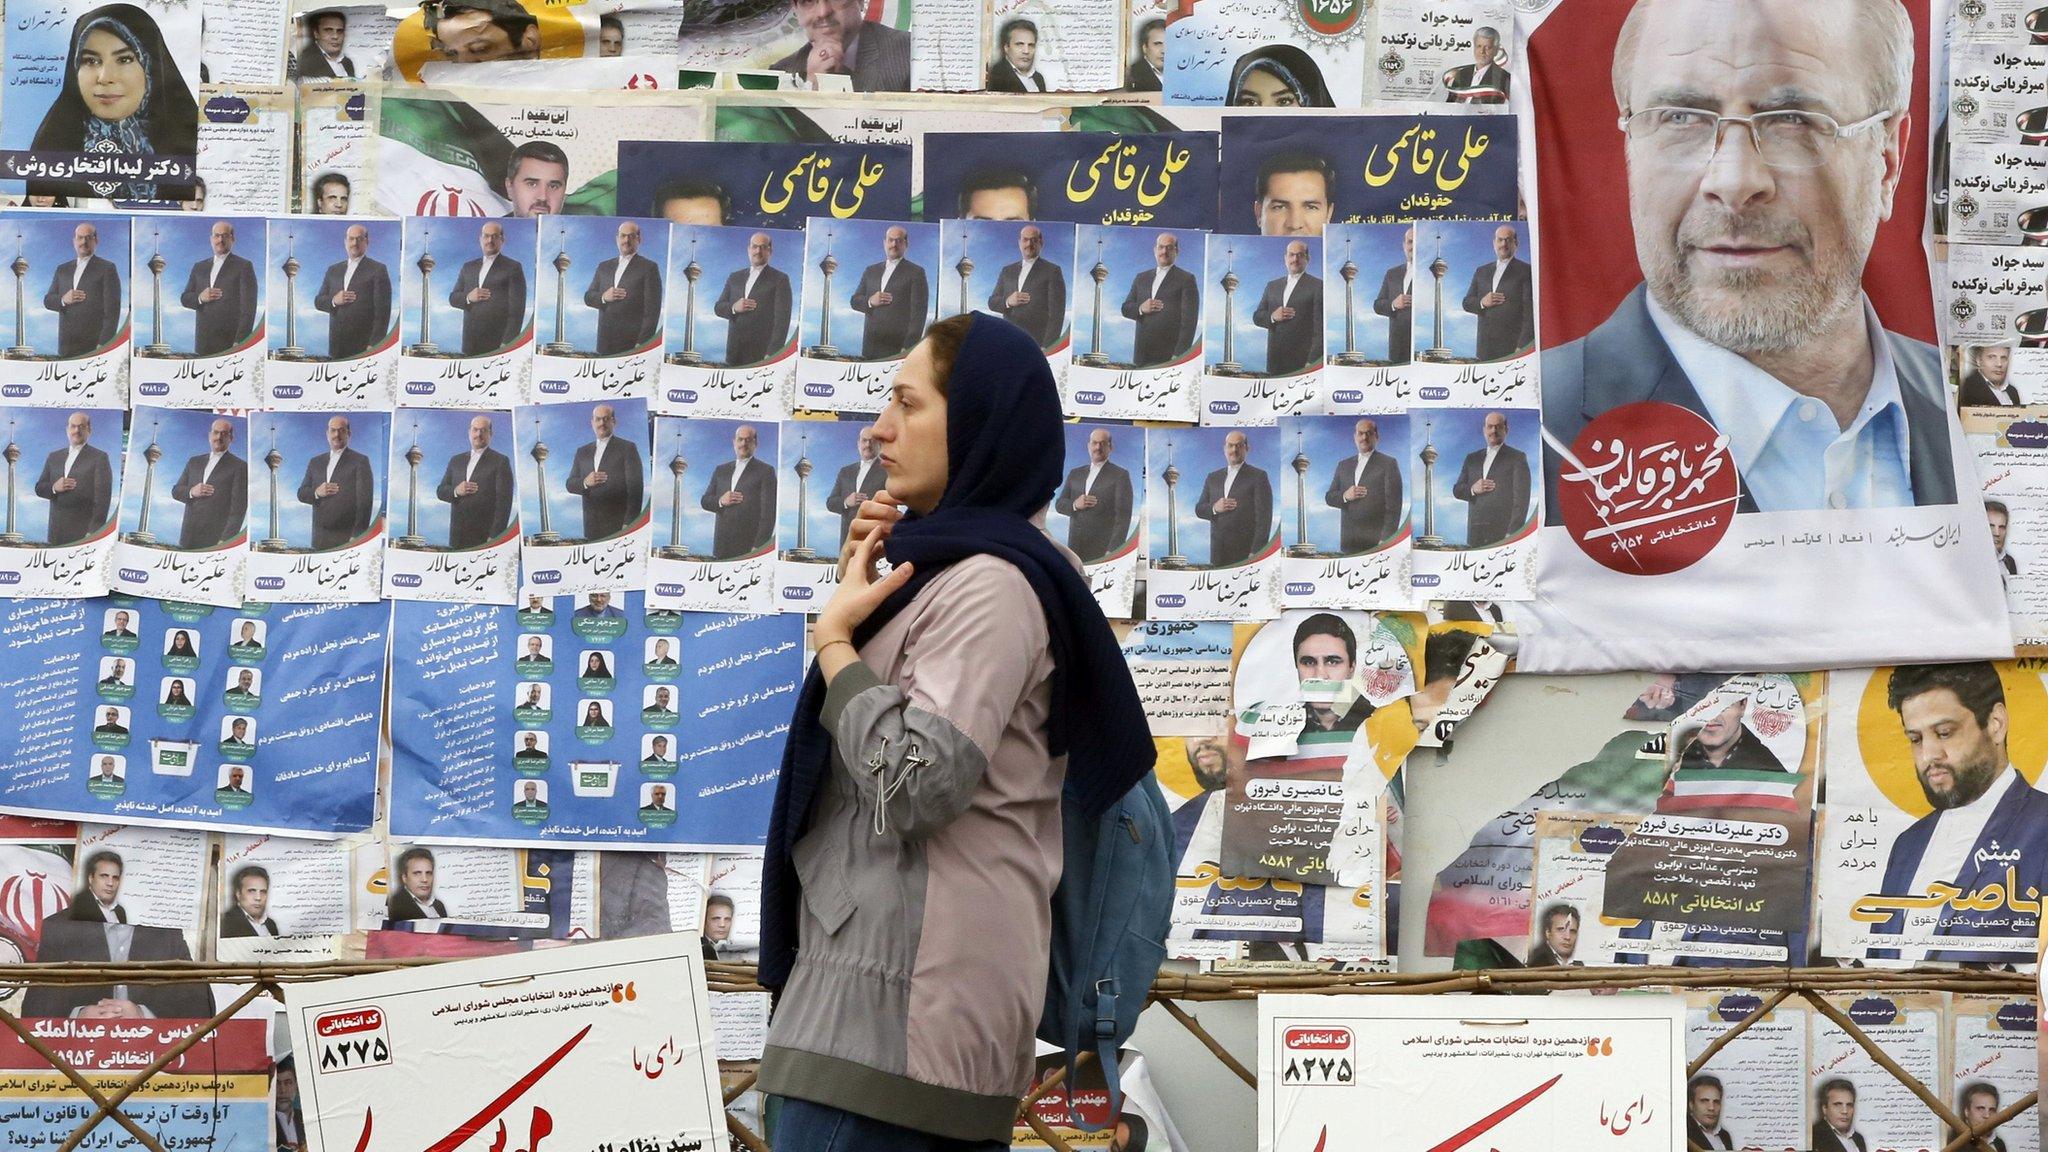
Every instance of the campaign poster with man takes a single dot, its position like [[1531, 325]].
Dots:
[[582, 482], [199, 309], [66, 323], [1735, 299], [714, 493], [868, 296], [317, 505], [453, 506], [184, 506], [333, 327], [1211, 528], [64, 475], [600, 309], [731, 322], [465, 302]]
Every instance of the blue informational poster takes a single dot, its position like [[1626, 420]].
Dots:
[[589, 721], [136, 711]]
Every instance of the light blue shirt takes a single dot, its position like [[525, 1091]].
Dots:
[[1789, 449]]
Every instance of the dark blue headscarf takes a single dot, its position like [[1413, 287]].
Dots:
[[1005, 449]]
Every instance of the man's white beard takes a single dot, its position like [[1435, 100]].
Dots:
[[1750, 311]]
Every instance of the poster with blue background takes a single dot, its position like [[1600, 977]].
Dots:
[[1164, 179]]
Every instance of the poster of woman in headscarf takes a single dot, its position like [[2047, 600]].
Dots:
[[98, 104]]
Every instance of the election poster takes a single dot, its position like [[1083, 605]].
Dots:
[[1098, 510], [204, 330], [2009, 456], [856, 332], [608, 1043], [455, 538], [731, 339], [59, 536], [1182, 672], [1858, 1102], [760, 185], [598, 542], [1751, 1094], [284, 899], [1351, 547], [1269, 54], [207, 500], [1992, 1046], [321, 536], [814, 519], [1214, 549], [472, 346], [247, 142], [333, 326], [337, 137], [1295, 175], [1368, 337], [1016, 269], [1263, 346], [217, 1093], [1446, 51], [68, 344], [259, 718], [604, 341], [1997, 326], [1159, 179], [1685, 438], [1138, 356], [1931, 844], [720, 550], [586, 720], [1401, 1071]]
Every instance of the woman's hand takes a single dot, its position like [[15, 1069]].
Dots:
[[857, 597], [878, 514]]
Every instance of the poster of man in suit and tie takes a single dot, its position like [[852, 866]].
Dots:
[[715, 494], [863, 316], [1263, 354], [66, 333], [1136, 317], [316, 508], [1210, 522], [1016, 269], [829, 469], [1099, 506], [199, 309], [454, 514], [1857, 1104], [1343, 508], [185, 489], [598, 319], [62, 516], [466, 299], [731, 322], [333, 326], [1744, 1097], [1038, 46], [583, 482], [1465, 67], [1369, 289]]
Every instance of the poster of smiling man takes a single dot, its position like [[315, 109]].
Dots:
[[198, 310], [1739, 389], [66, 322], [63, 481]]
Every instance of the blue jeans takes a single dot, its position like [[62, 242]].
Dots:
[[802, 1126]]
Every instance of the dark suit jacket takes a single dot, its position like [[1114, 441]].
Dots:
[[1400, 321], [478, 517], [1625, 360], [1976, 393], [2011, 566], [219, 518], [624, 325], [1694, 1134], [1510, 326], [65, 939], [402, 905], [221, 324], [747, 525], [313, 65], [1826, 1140], [489, 325], [354, 328], [92, 322], [1141, 77], [233, 925], [1292, 345], [1092, 532], [1491, 516], [894, 328], [843, 486], [1045, 315], [1460, 79], [1003, 78], [1170, 331], [2018, 823], [1236, 534], [74, 515], [608, 508], [751, 337], [1372, 519], [346, 514], [881, 61]]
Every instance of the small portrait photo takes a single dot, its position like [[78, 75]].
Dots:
[[117, 671], [1998, 514], [202, 280], [1277, 76], [481, 301], [1485, 79], [536, 655], [658, 706], [594, 715], [111, 724], [538, 611], [1478, 303], [601, 295], [342, 304], [1313, 672], [246, 639], [237, 737], [531, 755], [72, 272], [1351, 497], [204, 506], [464, 495], [175, 692], [1266, 309], [1555, 942], [657, 804], [330, 194], [181, 644], [594, 670], [659, 657], [715, 492], [412, 887], [71, 501], [531, 702], [328, 473], [243, 689], [876, 304], [1143, 304], [1985, 375], [1145, 71], [657, 756], [1370, 271], [1095, 511], [1224, 519], [1478, 463], [751, 318], [248, 913], [1016, 269], [233, 786], [530, 801], [117, 626], [323, 49], [106, 774], [599, 616]]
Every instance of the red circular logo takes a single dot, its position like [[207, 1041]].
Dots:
[[1652, 490]]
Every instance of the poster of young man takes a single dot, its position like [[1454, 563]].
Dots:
[[1295, 175], [1992, 1043], [1856, 1102], [731, 321], [1760, 341], [282, 899], [1398, 1071], [1137, 324], [199, 310], [1752, 1093], [337, 142], [318, 503], [1038, 46], [1345, 512], [2015, 509], [453, 506], [60, 514], [99, 100], [1013, 269], [1369, 322], [229, 1067], [1934, 827], [298, 714], [860, 321], [466, 334], [338, 42], [1211, 529], [714, 541], [733, 673], [1446, 51], [1268, 54], [762, 185], [1098, 510], [333, 325], [1160, 179], [815, 517], [67, 320], [184, 507], [1997, 325], [582, 481], [600, 333], [1263, 352]]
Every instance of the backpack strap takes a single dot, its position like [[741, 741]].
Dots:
[[1101, 1036]]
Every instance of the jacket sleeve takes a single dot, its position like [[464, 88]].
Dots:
[[1268, 300], [1476, 291], [245, 301], [861, 292], [1205, 503], [46, 483], [917, 752], [363, 499], [53, 300], [1467, 473], [458, 296], [329, 284], [500, 487], [1135, 299], [110, 308], [1120, 511], [1063, 503], [1383, 303], [778, 315], [1335, 496], [1190, 315], [650, 304], [450, 477], [380, 306], [238, 504], [515, 308], [1518, 491], [310, 480], [709, 501], [193, 284], [593, 296]]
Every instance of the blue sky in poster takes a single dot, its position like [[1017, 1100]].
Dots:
[[301, 438], [44, 240], [318, 243], [453, 242], [186, 241]]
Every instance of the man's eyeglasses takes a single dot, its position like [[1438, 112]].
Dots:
[[1790, 140]]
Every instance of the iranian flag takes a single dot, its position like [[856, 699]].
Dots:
[[439, 158]]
